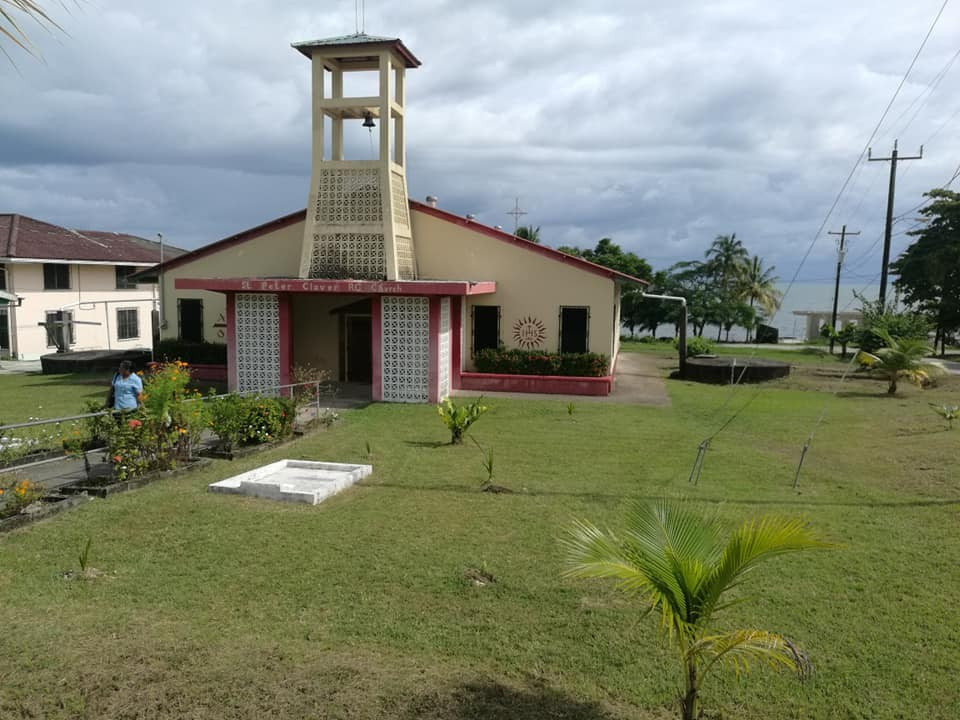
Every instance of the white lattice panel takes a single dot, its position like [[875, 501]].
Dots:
[[405, 264], [443, 348], [401, 209], [359, 256], [348, 197], [258, 340], [405, 348]]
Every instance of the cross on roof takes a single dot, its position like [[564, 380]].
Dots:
[[517, 214]]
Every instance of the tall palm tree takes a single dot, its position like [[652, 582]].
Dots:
[[758, 286], [681, 566], [901, 358], [727, 257]]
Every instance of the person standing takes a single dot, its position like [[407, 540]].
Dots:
[[127, 388]]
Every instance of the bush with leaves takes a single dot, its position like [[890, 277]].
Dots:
[[697, 346], [900, 358], [459, 418], [238, 420], [878, 319], [540, 362]]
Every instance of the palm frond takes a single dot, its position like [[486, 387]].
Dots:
[[740, 649], [751, 543]]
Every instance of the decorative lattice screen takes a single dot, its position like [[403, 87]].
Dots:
[[405, 264], [405, 348], [258, 341], [360, 256], [401, 211], [348, 197], [443, 348]]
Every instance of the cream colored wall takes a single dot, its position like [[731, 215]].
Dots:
[[92, 297], [528, 283], [316, 333], [275, 254]]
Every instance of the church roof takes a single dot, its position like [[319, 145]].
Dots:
[[360, 40]]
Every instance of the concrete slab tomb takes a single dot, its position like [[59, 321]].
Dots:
[[303, 481]]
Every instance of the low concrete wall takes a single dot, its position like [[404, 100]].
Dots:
[[547, 384], [208, 373]]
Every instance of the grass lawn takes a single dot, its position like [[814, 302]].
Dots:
[[34, 395], [800, 356], [217, 606]]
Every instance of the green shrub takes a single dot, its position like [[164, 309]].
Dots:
[[886, 319], [237, 420], [648, 340], [459, 418], [204, 353], [541, 362], [697, 346]]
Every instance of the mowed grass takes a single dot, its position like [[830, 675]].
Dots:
[[818, 356], [34, 395], [216, 606]]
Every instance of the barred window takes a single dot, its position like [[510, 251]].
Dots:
[[128, 324]]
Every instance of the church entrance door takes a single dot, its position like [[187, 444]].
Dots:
[[359, 349]]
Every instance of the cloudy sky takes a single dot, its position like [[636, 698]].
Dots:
[[659, 124]]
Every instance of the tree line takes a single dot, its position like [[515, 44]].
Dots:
[[728, 288]]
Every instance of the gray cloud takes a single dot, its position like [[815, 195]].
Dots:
[[658, 124]]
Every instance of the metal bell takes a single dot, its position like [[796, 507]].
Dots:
[[368, 120]]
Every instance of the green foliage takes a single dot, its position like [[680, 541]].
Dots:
[[947, 412], [900, 358], [681, 566], [84, 555], [203, 353], [529, 232], [571, 408], [164, 431], [459, 418], [929, 270], [879, 319], [487, 463], [696, 346], [540, 362], [251, 420], [17, 494]]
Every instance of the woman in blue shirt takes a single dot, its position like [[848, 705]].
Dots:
[[127, 388]]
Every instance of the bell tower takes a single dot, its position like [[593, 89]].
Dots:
[[358, 214]]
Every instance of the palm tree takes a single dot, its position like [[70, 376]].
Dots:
[[727, 257], [11, 29], [901, 358], [528, 232], [757, 285], [681, 566]]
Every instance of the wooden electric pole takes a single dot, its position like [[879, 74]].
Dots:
[[888, 231], [841, 253]]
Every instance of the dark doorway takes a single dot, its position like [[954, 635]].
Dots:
[[191, 320], [4, 332], [574, 323], [486, 327], [359, 349]]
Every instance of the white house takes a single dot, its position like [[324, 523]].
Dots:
[[46, 269]]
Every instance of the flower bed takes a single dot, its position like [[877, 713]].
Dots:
[[47, 506], [105, 486]]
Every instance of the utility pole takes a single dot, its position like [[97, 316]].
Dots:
[[841, 254], [888, 232]]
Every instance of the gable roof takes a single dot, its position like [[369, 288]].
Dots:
[[361, 40], [529, 245], [27, 238], [301, 215]]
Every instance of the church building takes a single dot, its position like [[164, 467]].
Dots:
[[380, 289]]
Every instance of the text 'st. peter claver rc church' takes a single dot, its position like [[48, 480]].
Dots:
[[379, 289]]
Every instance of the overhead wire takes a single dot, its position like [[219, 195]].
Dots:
[[704, 445]]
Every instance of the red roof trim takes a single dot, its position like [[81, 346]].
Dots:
[[339, 287], [579, 263], [242, 237]]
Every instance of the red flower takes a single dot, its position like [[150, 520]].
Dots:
[[135, 423], [117, 458]]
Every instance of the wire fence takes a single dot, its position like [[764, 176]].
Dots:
[[43, 440]]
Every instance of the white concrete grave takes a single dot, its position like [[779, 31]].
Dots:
[[303, 481]]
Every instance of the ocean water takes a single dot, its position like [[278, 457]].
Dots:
[[802, 296]]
